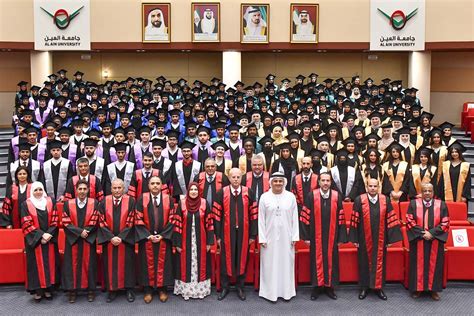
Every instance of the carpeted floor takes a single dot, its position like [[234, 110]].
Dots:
[[458, 299]]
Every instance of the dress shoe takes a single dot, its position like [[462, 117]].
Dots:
[[163, 296], [37, 297], [330, 293], [416, 294], [111, 296], [130, 296], [363, 294], [381, 295], [241, 294], [435, 296], [314, 293], [48, 296], [72, 297], [223, 294], [148, 298], [90, 296]]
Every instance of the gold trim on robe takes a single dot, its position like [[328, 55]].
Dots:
[[448, 189], [398, 180], [416, 174]]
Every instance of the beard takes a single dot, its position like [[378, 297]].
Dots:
[[156, 23]]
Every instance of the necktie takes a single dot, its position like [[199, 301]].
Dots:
[[236, 193], [116, 202], [209, 192], [305, 179], [209, 179], [147, 174], [256, 189], [155, 214], [23, 163], [203, 148]]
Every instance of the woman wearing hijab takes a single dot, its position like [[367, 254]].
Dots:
[[286, 164], [192, 238], [39, 221], [17, 193]]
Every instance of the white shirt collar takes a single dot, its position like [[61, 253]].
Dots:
[[325, 195], [81, 204], [233, 189], [212, 177], [158, 198], [428, 204], [373, 199]]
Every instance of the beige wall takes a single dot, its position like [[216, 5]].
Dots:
[[452, 72], [447, 106], [340, 21], [256, 66], [7, 108], [190, 66], [14, 67]]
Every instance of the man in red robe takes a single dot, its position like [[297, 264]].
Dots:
[[374, 225], [257, 180], [117, 237], [141, 177], [305, 182], [236, 215], [154, 230], [80, 219], [323, 227], [210, 181], [428, 227], [83, 172]]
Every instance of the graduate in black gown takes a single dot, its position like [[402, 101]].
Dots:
[[396, 179], [286, 164], [455, 181]]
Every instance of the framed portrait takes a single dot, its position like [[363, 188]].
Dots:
[[304, 21], [156, 26], [206, 26], [254, 23]]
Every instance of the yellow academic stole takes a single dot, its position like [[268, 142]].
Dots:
[[448, 188]]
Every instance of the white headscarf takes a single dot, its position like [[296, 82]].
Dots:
[[278, 175], [208, 25], [41, 202], [253, 29], [150, 29], [306, 28]]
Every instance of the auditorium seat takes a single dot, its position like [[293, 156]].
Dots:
[[465, 110], [302, 263], [12, 256], [348, 263], [396, 265], [459, 260], [403, 212], [347, 206], [59, 208], [457, 214], [468, 118]]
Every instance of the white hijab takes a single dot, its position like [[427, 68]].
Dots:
[[150, 29], [208, 25], [41, 202]]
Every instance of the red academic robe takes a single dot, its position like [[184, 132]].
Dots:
[[373, 227], [299, 191], [427, 256], [80, 255], [95, 188], [323, 224], [155, 259], [42, 260], [119, 261], [10, 212], [204, 229], [235, 247], [139, 185]]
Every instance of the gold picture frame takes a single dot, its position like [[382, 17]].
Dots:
[[158, 32], [259, 34], [209, 12], [309, 32]]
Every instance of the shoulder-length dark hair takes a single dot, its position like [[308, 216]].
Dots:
[[20, 168]]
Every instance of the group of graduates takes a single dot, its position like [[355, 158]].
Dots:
[[179, 168]]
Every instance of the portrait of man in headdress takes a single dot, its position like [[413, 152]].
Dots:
[[156, 22], [304, 23], [206, 24], [255, 23]]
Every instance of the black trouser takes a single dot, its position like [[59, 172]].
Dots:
[[240, 281]]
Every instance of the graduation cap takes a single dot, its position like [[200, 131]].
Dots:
[[78, 73], [270, 77], [428, 115], [386, 81], [458, 146], [386, 125], [375, 114], [120, 146], [403, 131], [368, 80], [187, 145], [158, 143], [249, 139], [31, 129], [119, 130], [354, 78], [221, 144], [286, 80], [35, 88], [145, 129], [204, 129], [265, 140], [172, 134], [349, 140], [444, 125], [22, 83], [54, 144], [394, 145], [312, 75], [238, 83], [423, 151], [397, 118], [282, 146], [316, 153], [23, 145], [322, 138], [233, 127], [300, 77], [342, 153], [90, 142], [329, 80], [62, 71], [373, 135]]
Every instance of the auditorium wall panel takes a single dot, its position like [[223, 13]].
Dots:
[[340, 21], [452, 72], [255, 66], [14, 67], [190, 66]]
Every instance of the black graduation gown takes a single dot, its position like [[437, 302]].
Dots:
[[358, 187], [55, 170], [234, 156], [204, 230], [118, 261], [78, 249], [373, 227], [454, 174], [155, 268], [290, 171], [42, 260], [427, 256], [387, 187], [323, 224]]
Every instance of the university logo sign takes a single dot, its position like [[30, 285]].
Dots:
[[61, 17], [398, 19]]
